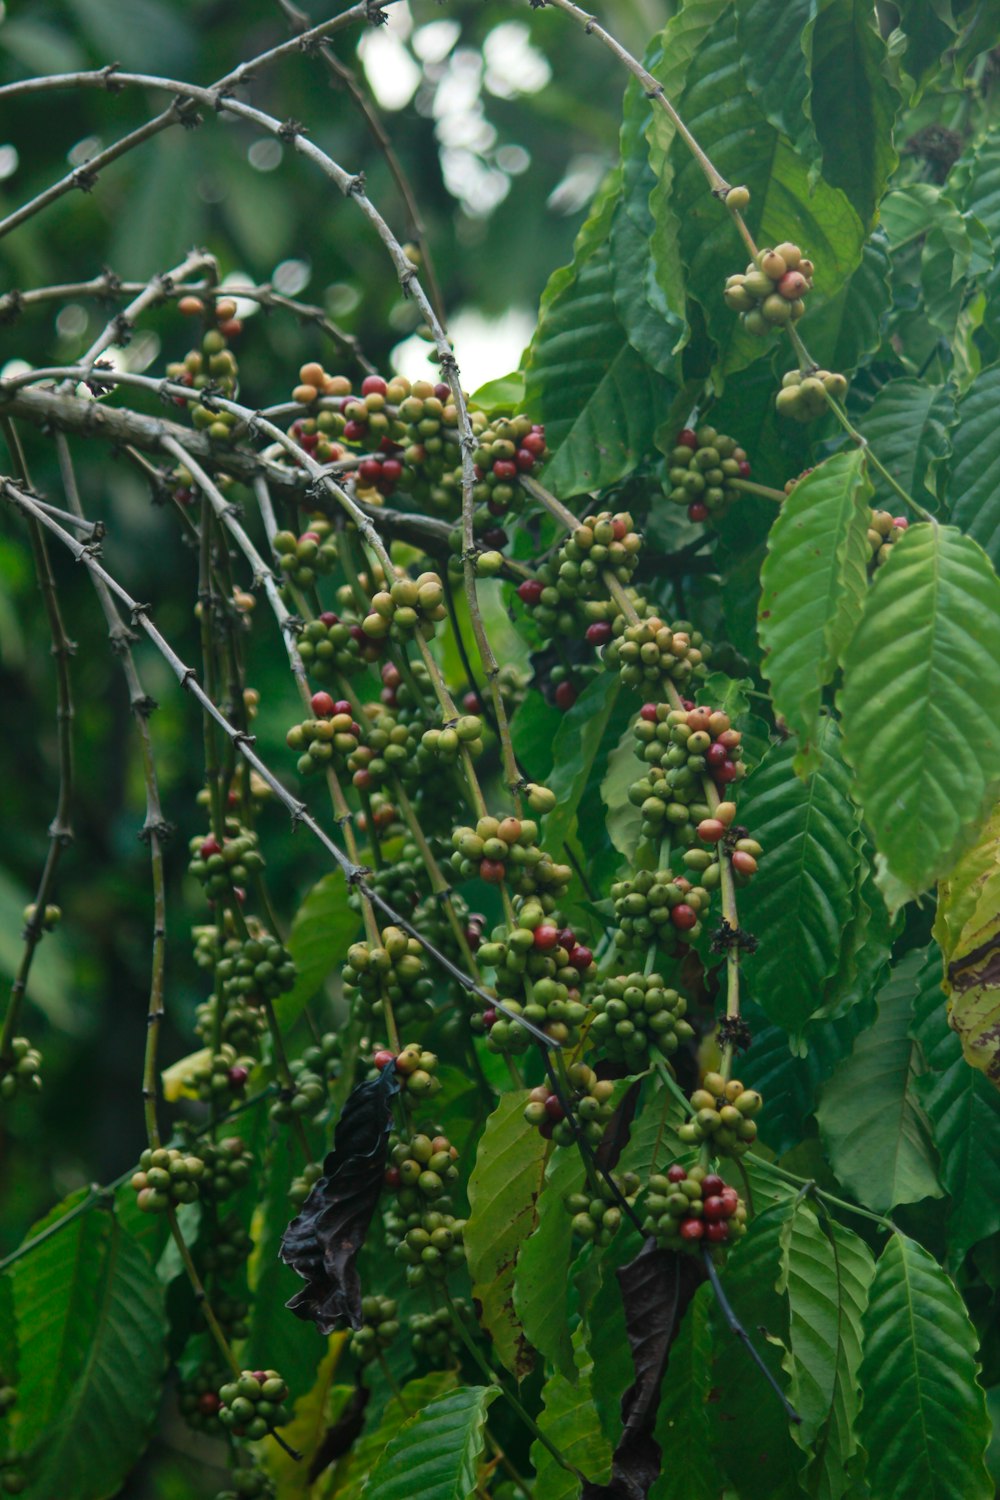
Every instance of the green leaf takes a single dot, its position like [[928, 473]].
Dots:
[[503, 1193], [870, 1118], [848, 328], [505, 394], [278, 1340], [826, 1271], [749, 1429], [600, 402], [921, 680], [866, 945], [854, 102], [575, 748], [324, 928], [607, 1343], [908, 426], [819, 73], [434, 1454], [352, 1475], [813, 589], [652, 1142], [567, 1419], [964, 1111], [314, 1412], [923, 1421], [682, 1425], [805, 892], [653, 329], [974, 484], [785, 202], [623, 819], [541, 1279], [680, 39], [91, 1330]]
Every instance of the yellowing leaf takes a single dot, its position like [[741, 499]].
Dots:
[[972, 982], [176, 1078], [313, 1414]]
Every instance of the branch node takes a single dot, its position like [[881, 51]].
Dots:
[[291, 128], [111, 83], [85, 178], [726, 936], [11, 306], [242, 738], [355, 185], [158, 826], [734, 1032]]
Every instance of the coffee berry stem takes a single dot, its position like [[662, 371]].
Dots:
[[807, 365], [493, 1379], [201, 1296], [439, 885], [750, 488]]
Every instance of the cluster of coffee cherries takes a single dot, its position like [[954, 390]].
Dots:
[[332, 736], [303, 1185], [589, 1098], [218, 1075], [166, 1178], [392, 970], [650, 650], [742, 851], [257, 965], [21, 1073], [220, 867], [507, 448], [228, 1164], [636, 1015], [507, 849], [303, 1096], [704, 464], [884, 531], [416, 1069], [690, 1208], [254, 1404], [334, 644], [51, 916], [380, 1325], [307, 557], [198, 1398], [421, 1227], [446, 744], [243, 1023], [722, 1114], [656, 906], [408, 604], [226, 1250], [803, 394], [433, 1335], [598, 1216], [539, 959], [248, 1484], [212, 368], [771, 292], [569, 595], [682, 748]]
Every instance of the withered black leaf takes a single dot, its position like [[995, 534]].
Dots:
[[322, 1241], [657, 1286]]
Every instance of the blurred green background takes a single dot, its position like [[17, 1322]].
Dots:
[[502, 118]]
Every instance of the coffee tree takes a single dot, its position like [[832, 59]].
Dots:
[[615, 1110]]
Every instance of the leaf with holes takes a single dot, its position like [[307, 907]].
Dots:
[[921, 681], [964, 1111], [90, 1293], [567, 1419], [923, 1422], [541, 1279], [503, 1195], [813, 589], [804, 894], [870, 1118]]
